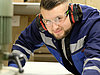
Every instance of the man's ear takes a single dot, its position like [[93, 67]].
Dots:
[[75, 13], [40, 23]]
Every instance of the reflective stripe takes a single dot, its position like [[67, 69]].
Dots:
[[98, 59], [27, 50], [72, 47], [91, 68], [63, 47], [99, 12], [47, 40], [78, 45], [20, 53], [64, 50]]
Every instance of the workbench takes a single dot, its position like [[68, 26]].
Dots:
[[45, 68]]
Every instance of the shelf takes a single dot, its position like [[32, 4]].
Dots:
[[26, 8]]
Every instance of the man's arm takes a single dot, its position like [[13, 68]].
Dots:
[[27, 42], [92, 52]]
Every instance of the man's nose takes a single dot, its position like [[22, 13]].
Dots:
[[55, 25]]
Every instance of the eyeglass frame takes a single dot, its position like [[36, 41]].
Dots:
[[56, 19]]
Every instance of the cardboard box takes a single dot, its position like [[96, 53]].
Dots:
[[93, 3], [33, 1], [18, 0], [16, 30], [79, 1], [37, 0]]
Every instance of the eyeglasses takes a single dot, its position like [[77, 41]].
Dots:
[[57, 20]]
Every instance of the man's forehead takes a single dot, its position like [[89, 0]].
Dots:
[[58, 10], [63, 6]]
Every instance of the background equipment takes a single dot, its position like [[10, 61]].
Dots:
[[6, 13]]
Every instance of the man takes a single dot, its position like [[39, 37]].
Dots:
[[69, 31]]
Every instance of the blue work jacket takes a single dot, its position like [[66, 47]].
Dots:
[[78, 52]]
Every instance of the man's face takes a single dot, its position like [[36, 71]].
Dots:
[[57, 23]]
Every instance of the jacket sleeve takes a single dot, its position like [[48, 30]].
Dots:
[[92, 51], [27, 42]]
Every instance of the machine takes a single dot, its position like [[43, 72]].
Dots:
[[6, 13]]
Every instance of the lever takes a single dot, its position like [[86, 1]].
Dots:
[[16, 58]]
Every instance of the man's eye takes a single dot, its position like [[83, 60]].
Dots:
[[47, 21], [59, 18]]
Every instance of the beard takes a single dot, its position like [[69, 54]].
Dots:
[[59, 36]]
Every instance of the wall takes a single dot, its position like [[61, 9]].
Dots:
[[93, 3], [27, 0]]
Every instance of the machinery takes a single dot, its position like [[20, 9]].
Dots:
[[6, 13]]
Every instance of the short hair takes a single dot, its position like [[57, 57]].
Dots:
[[50, 4]]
